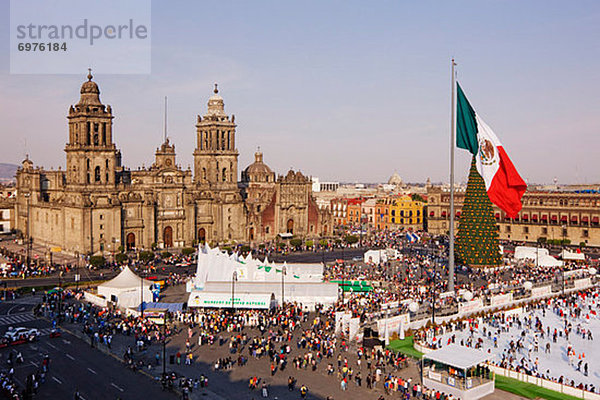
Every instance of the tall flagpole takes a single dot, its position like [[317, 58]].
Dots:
[[452, 144]]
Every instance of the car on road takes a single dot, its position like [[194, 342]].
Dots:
[[14, 334]]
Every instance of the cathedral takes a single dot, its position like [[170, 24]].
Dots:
[[97, 205]]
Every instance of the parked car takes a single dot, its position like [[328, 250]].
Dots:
[[14, 334]]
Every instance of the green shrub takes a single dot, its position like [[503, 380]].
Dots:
[[166, 254], [296, 242], [245, 249], [309, 243], [97, 261], [146, 256], [351, 239], [186, 251], [323, 242], [121, 258]]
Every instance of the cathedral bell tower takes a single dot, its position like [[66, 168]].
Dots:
[[92, 157], [215, 156]]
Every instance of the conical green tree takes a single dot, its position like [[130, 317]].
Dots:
[[477, 239]]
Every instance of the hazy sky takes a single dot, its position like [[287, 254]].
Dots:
[[343, 90]]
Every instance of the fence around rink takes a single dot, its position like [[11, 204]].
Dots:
[[544, 383]]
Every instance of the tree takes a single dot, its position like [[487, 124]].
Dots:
[[146, 256], [121, 258], [323, 242], [309, 243], [477, 242], [417, 197], [97, 261], [351, 239], [186, 251], [296, 242]]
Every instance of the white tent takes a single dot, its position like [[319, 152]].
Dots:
[[541, 257], [215, 265], [126, 289], [571, 255], [375, 256]]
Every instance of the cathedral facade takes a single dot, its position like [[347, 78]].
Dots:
[[97, 205]]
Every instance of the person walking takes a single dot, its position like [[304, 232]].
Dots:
[[303, 391]]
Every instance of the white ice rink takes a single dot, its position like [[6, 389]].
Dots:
[[556, 362]]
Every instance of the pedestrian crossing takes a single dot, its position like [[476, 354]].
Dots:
[[45, 331], [16, 319]]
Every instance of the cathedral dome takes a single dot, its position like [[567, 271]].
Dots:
[[258, 171], [395, 180], [90, 93]]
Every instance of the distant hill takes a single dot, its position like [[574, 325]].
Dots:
[[7, 171]]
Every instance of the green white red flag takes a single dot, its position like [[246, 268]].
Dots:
[[504, 185]]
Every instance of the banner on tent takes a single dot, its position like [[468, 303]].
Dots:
[[223, 300], [470, 306], [582, 283], [501, 299], [541, 291]]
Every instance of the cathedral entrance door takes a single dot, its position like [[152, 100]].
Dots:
[[290, 226], [168, 236], [130, 241], [201, 235], [251, 234]]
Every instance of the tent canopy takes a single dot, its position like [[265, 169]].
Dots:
[[571, 255], [126, 280], [458, 356]]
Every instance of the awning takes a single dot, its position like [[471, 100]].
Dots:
[[497, 215], [458, 214], [574, 218], [544, 218], [554, 218], [595, 220], [431, 213], [516, 218], [525, 217], [563, 218], [458, 356], [534, 217], [443, 213], [585, 219]]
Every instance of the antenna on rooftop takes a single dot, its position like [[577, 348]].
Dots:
[[165, 133]]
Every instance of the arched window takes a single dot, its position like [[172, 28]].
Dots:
[[204, 174], [97, 174], [224, 175], [88, 164], [290, 226]]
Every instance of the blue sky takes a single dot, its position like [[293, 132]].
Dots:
[[343, 90]]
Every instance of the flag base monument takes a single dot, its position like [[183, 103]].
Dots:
[[477, 243]]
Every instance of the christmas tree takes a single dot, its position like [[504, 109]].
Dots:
[[477, 240]]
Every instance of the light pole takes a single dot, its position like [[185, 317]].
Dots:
[[233, 281], [141, 292], [27, 196], [77, 271], [164, 345], [283, 272]]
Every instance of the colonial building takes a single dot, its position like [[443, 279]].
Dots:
[[548, 215], [282, 204], [98, 205]]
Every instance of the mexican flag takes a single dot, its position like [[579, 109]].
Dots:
[[502, 181]]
